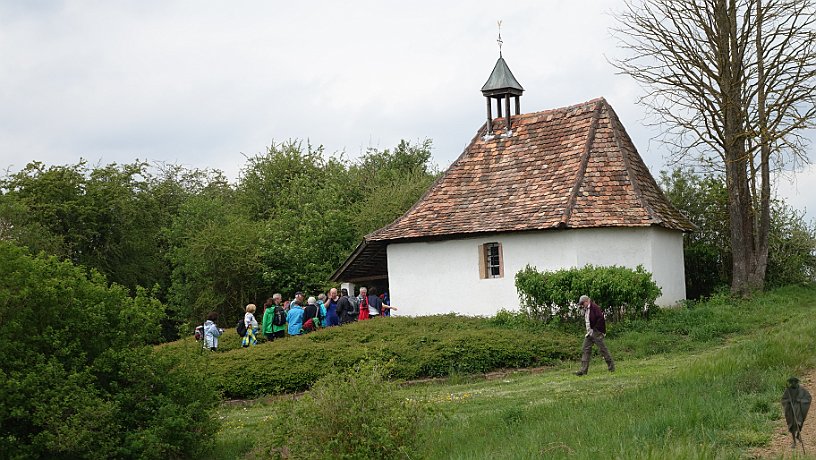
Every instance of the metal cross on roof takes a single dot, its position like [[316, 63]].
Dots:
[[499, 41]]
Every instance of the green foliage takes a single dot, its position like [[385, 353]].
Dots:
[[290, 221], [792, 247], [390, 183], [420, 347], [621, 292], [704, 200], [206, 245], [217, 262], [516, 320], [356, 414], [104, 218], [78, 379]]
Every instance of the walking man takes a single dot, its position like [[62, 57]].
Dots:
[[596, 330]]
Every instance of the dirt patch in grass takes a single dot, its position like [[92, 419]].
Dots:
[[780, 446]]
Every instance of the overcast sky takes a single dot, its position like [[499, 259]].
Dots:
[[205, 83]]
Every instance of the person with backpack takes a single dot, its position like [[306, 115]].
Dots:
[[311, 316], [211, 332], [279, 318], [251, 325], [274, 318], [595, 332], [346, 310]]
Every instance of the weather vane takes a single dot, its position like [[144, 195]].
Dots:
[[499, 41]]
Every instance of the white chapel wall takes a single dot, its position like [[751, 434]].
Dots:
[[443, 276]]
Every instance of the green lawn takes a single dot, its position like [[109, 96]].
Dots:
[[701, 382]]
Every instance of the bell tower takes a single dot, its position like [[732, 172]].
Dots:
[[500, 86]]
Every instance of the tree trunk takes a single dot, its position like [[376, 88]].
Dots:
[[736, 160], [756, 276]]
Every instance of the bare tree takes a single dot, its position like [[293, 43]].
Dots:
[[733, 83]]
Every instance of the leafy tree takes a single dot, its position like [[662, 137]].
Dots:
[[203, 244], [215, 258], [315, 211], [391, 181], [735, 81], [280, 179], [104, 218], [77, 378], [707, 252], [792, 243], [703, 199]]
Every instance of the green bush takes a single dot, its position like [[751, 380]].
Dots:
[[621, 292], [77, 377], [356, 414], [429, 346]]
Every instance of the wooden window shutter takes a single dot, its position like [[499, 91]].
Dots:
[[501, 261], [482, 261]]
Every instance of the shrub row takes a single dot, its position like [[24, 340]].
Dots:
[[418, 347], [620, 291]]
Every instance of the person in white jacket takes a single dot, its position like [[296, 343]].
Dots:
[[251, 327], [211, 332]]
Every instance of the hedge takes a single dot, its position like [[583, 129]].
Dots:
[[621, 292], [430, 346]]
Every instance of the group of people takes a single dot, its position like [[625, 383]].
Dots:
[[296, 317], [300, 315]]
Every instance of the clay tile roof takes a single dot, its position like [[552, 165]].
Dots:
[[573, 167]]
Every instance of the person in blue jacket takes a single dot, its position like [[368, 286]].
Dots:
[[295, 316]]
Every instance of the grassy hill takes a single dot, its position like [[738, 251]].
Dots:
[[697, 382]]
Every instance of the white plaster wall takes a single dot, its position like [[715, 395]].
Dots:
[[668, 266], [659, 250], [443, 276]]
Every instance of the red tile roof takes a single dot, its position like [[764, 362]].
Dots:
[[573, 167]]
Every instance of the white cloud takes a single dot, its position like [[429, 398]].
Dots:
[[798, 190], [200, 83]]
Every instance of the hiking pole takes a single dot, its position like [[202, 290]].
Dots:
[[801, 443], [798, 434], [799, 437]]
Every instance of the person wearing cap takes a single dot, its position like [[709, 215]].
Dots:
[[595, 332]]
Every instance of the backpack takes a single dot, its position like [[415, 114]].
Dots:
[[240, 328], [309, 326], [199, 333], [279, 318]]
